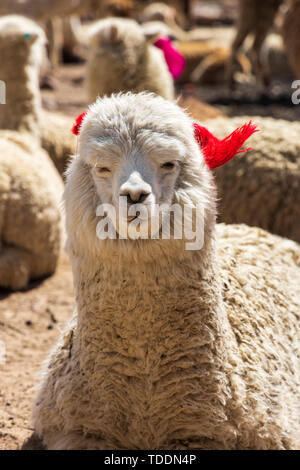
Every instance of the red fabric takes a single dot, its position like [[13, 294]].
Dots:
[[76, 128], [217, 152]]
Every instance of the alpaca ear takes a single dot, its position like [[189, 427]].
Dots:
[[217, 152], [110, 35], [78, 123]]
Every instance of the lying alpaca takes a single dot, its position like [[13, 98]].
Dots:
[[170, 348], [122, 60], [30, 187], [262, 187]]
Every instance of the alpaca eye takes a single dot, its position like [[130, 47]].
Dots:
[[168, 165], [103, 170]]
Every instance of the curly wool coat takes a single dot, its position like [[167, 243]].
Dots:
[[170, 348]]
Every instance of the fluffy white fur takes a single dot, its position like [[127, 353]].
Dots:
[[121, 59], [169, 349]]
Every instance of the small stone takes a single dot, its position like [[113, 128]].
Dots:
[[28, 323]]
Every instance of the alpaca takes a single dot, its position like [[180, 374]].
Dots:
[[290, 33], [30, 187], [256, 17], [170, 348], [121, 59], [52, 128], [262, 187], [50, 15]]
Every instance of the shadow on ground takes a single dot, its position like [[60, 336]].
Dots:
[[33, 443]]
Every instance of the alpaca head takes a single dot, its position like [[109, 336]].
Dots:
[[22, 52], [112, 36], [139, 150], [22, 42]]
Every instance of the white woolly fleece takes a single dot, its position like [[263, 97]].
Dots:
[[168, 348]]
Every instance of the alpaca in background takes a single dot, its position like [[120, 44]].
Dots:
[[30, 187], [121, 59]]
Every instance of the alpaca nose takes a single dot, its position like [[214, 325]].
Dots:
[[136, 197], [135, 189]]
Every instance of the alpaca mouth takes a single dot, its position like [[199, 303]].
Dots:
[[130, 218]]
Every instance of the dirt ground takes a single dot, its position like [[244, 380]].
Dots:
[[30, 321], [70, 97]]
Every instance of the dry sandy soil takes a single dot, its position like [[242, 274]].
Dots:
[[30, 322]]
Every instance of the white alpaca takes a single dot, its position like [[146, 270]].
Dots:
[[169, 348], [52, 128], [53, 13], [121, 59], [30, 187]]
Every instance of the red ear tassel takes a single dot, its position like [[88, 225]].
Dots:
[[76, 128], [217, 152]]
